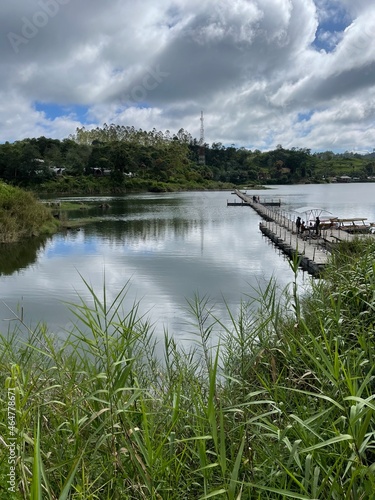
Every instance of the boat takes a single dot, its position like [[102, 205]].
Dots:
[[355, 225]]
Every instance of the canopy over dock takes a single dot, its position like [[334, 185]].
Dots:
[[311, 213]]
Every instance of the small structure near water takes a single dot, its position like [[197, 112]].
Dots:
[[311, 247]]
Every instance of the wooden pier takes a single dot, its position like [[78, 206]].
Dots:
[[245, 203], [312, 249]]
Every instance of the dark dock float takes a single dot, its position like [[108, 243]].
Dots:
[[237, 204], [271, 203]]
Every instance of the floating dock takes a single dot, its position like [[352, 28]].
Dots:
[[244, 202], [312, 249], [237, 204], [312, 256]]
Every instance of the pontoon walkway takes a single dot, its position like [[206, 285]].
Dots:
[[311, 249]]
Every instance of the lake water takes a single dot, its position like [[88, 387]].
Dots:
[[167, 247]]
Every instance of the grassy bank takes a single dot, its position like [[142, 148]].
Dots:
[[283, 408], [91, 185], [22, 216]]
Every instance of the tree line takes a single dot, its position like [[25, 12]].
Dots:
[[123, 152]]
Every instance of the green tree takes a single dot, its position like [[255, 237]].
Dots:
[[31, 168], [76, 158]]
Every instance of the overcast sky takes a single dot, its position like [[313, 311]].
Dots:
[[299, 73]]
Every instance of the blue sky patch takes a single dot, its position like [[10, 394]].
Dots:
[[52, 111], [333, 19], [304, 116], [63, 247]]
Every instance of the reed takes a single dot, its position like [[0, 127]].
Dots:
[[281, 407]]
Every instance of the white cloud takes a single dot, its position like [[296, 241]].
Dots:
[[251, 65]]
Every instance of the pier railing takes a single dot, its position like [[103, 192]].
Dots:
[[280, 227]]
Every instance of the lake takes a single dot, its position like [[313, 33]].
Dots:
[[167, 248]]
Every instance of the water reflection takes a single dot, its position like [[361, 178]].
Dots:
[[170, 247], [141, 230], [17, 256]]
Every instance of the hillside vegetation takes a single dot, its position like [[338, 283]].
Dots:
[[120, 158], [283, 408], [22, 215]]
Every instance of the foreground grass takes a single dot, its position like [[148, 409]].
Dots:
[[22, 216], [283, 408]]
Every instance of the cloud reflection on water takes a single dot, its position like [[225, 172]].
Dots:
[[179, 246]]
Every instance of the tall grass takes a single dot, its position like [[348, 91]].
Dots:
[[282, 407]]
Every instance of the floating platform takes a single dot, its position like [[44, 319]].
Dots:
[[312, 249], [265, 203], [237, 204], [312, 257], [271, 203]]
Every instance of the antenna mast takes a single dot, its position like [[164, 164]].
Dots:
[[202, 156]]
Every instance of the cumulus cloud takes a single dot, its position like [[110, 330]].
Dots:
[[265, 72]]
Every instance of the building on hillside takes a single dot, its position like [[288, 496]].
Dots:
[[344, 178]]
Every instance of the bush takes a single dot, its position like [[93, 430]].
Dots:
[[22, 216]]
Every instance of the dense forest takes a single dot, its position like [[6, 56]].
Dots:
[[132, 158]]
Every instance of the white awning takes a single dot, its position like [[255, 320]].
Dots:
[[311, 213]]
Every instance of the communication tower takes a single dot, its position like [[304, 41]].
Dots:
[[202, 155]]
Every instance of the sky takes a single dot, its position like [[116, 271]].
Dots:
[[296, 73]]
